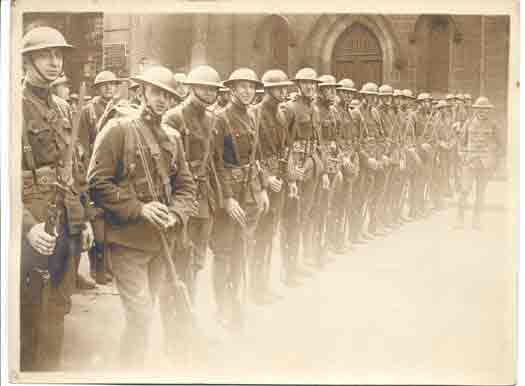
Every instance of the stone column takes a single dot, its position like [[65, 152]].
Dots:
[[199, 40]]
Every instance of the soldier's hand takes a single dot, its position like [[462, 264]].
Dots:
[[299, 173], [157, 214], [235, 211], [293, 190], [326, 182], [263, 201], [40, 240], [87, 237], [275, 184]]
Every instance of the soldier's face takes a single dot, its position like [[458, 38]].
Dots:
[[386, 99], [157, 99], [108, 90], [279, 93], [49, 62], [244, 91], [328, 93], [370, 99], [206, 94], [307, 88]]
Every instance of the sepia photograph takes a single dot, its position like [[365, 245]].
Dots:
[[227, 196]]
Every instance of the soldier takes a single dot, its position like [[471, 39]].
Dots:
[[443, 142], [273, 142], [375, 150], [328, 213], [223, 98], [420, 123], [245, 197], [139, 176], [60, 87], [306, 169], [53, 226], [398, 160], [349, 143], [180, 86], [195, 123], [391, 152], [134, 93], [479, 150], [106, 86]]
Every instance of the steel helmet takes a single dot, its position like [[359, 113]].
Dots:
[[105, 77], [327, 81], [482, 103], [61, 80], [386, 90], [467, 97], [306, 74], [369, 88], [202, 76], [43, 37], [407, 93], [346, 84], [398, 93], [424, 96], [441, 104], [73, 96], [460, 97], [245, 74], [158, 76], [275, 78], [179, 77], [449, 97]]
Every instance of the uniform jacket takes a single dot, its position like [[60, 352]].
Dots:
[[236, 142], [118, 183], [196, 125], [47, 129], [304, 136], [89, 116], [273, 137], [479, 143]]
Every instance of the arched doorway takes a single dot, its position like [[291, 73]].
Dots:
[[434, 37], [272, 41], [357, 55]]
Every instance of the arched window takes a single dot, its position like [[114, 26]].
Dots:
[[272, 41]]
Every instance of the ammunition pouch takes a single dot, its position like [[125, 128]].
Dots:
[[240, 180], [43, 186]]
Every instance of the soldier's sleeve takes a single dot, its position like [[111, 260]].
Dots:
[[218, 158], [28, 221], [105, 164], [184, 188], [84, 131]]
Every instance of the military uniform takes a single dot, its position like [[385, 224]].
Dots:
[[349, 145], [273, 140], [478, 148], [47, 281], [304, 152], [196, 126], [119, 185], [328, 214]]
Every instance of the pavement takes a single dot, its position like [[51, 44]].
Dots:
[[424, 302]]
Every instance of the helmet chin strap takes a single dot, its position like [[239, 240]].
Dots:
[[201, 101]]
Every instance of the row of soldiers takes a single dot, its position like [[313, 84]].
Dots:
[[159, 180]]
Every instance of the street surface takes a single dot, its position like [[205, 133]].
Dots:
[[424, 302]]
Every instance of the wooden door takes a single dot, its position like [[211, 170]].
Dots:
[[358, 55]]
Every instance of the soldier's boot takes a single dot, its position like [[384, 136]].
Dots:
[[82, 283]]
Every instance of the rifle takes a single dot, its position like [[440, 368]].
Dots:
[[181, 294]]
